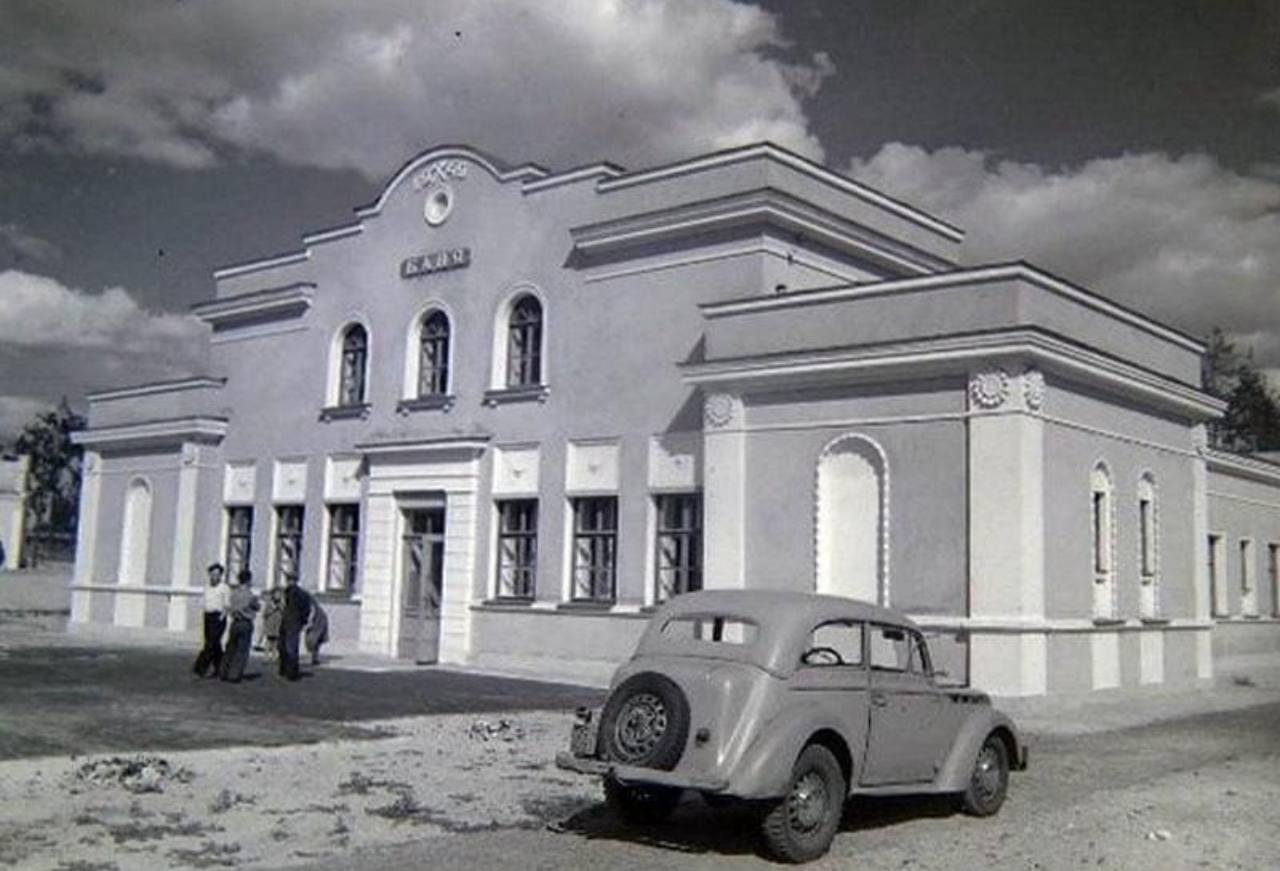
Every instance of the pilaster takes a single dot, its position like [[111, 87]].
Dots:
[[724, 491], [86, 534], [184, 533]]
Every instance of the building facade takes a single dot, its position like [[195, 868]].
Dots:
[[505, 411]]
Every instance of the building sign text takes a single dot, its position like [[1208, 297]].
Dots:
[[436, 261]]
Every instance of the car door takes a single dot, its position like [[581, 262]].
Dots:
[[832, 672], [910, 722]]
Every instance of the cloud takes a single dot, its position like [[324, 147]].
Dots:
[[16, 412], [336, 84], [1182, 239], [27, 246]]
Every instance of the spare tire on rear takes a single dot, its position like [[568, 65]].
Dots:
[[645, 722]]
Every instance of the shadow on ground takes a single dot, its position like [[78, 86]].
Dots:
[[697, 827], [90, 699]]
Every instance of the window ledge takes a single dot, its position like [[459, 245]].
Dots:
[[508, 602], [1155, 621], [503, 395], [1108, 621], [586, 605], [435, 402], [345, 412]]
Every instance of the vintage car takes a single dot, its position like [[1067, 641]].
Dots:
[[794, 702]]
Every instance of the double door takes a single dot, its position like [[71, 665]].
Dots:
[[421, 583]]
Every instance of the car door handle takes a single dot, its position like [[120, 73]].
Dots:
[[880, 700]]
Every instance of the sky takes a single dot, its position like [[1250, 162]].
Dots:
[[1132, 147]]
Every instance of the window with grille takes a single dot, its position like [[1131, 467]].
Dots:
[[433, 362], [679, 544], [344, 548], [355, 357], [524, 343], [239, 539], [595, 546], [288, 543], [517, 548]]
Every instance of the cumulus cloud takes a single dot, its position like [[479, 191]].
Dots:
[[22, 245], [335, 84], [1183, 239]]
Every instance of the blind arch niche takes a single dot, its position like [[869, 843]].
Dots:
[[851, 520]]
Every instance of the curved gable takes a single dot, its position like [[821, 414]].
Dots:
[[438, 160]]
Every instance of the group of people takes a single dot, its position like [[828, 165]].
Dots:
[[291, 614]]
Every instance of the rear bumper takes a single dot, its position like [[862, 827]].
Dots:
[[636, 774]]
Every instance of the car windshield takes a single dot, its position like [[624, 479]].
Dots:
[[712, 628]]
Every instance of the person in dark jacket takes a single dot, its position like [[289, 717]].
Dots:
[[243, 604], [294, 615], [216, 597]]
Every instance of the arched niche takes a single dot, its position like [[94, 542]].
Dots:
[[851, 522]]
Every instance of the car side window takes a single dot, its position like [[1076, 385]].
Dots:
[[891, 648], [920, 663], [836, 643]]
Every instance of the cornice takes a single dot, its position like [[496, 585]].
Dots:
[[468, 444], [603, 170], [249, 266], [793, 161], [763, 206], [956, 278], [154, 433], [1243, 466], [276, 302], [157, 387], [955, 355]]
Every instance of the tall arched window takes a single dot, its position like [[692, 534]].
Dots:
[[1101, 531], [1148, 548], [136, 534], [524, 343], [433, 355], [351, 372], [851, 535]]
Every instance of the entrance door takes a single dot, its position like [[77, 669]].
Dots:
[[421, 582]]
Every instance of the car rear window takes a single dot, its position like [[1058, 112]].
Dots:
[[714, 629]]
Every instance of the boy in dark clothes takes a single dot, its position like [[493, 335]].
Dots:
[[242, 606], [297, 608]]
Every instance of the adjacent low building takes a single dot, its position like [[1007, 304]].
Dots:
[[505, 411]]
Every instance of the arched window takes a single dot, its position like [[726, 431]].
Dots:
[[433, 355], [1148, 548], [1101, 521], [524, 343], [851, 535], [352, 369], [136, 534]]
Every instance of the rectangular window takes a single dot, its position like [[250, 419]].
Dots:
[[1101, 561], [1248, 590], [1217, 589], [890, 649], [679, 544], [1273, 572], [837, 643], [288, 556], [595, 547], [239, 539], [517, 548], [344, 548]]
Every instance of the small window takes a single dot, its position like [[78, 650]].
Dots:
[[517, 548], [433, 360], [524, 343], [1273, 572], [715, 630], [595, 547], [355, 358], [679, 544], [837, 643], [288, 543], [891, 649], [1217, 589], [239, 539], [344, 541]]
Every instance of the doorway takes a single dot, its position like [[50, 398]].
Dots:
[[421, 583]]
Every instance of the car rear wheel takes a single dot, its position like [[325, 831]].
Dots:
[[800, 827], [645, 722], [641, 805], [990, 779]]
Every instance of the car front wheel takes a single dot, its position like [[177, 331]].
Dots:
[[800, 827], [990, 779], [641, 805]]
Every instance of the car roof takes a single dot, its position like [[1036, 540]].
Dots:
[[786, 617]]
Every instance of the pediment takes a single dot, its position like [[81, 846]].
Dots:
[[447, 164]]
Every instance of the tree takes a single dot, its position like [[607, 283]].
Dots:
[[54, 471], [1252, 419]]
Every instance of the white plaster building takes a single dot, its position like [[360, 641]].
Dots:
[[13, 508], [505, 411]]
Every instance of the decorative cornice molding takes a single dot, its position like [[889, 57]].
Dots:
[[157, 433], [249, 266], [152, 388], [954, 354], [583, 173], [290, 300], [1243, 466], [497, 169], [470, 444], [763, 206]]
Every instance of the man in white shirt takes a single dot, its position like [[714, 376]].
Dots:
[[216, 600]]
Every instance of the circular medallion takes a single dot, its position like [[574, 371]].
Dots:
[[438, 205], [989, 389], [1033, 389], [718, 410]]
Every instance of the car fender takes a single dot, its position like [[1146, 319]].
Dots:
[[764, 771], [958, 768]]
